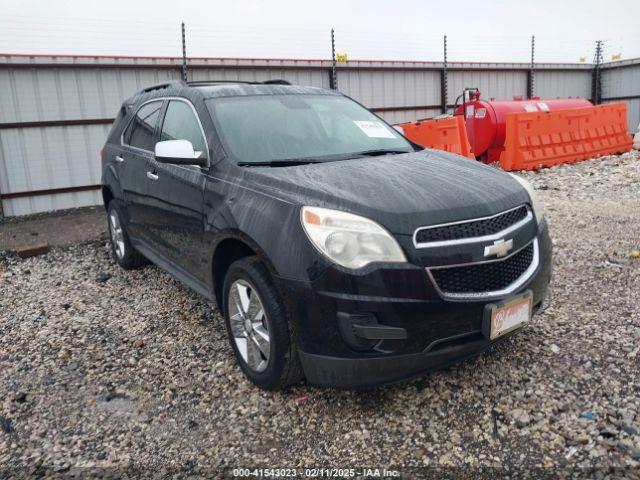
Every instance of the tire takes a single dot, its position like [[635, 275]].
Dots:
[[271, 365], [123, 252]]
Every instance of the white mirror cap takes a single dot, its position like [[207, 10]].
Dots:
[[175, 149], [398, 128]]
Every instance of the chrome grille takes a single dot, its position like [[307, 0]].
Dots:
[[473, 228], [490, 278]]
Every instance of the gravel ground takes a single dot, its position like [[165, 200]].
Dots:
[[61, 228], [105, 368]]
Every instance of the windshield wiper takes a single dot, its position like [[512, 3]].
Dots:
[[288, 162], [382, 151]]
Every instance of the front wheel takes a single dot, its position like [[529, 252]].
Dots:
[[258, 327]]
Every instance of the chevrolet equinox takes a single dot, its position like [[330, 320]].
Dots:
[[337, 250]]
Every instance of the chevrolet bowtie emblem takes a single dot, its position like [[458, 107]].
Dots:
[[499, 248]]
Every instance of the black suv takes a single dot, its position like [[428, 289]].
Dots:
[[337, 250]]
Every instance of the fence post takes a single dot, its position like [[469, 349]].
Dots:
[[443, 81], [530, 73], [596, 84]]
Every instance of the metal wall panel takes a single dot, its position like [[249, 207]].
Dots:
[[45, 203], [549, 84], [634, 115], [310, 78], [624, 81], [40, 94], [402, 116], [384, 89], [501, 85], [40, 89], [48, 158], [621, 81]]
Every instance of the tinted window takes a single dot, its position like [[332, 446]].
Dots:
[[180, 123], [276, 127], [139, 133]]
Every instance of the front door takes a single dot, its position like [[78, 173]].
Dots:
[[176, 193]]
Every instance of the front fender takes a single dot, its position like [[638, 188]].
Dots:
[[268, 224]]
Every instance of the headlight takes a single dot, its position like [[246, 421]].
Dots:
[[349, 240], [536, 204]]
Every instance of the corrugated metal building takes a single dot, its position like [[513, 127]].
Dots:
[[621, 83], [55, 111]]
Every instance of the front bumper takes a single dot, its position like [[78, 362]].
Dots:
[[439, 331], [341, 372]]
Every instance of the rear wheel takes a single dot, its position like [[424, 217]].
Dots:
[[123, 252], [258, 327]]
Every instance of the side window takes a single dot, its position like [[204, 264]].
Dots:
[[180, 123], [139, 133]]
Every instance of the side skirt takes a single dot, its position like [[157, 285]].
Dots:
[[179, 273]]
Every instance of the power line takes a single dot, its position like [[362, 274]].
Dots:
[[33, 34]]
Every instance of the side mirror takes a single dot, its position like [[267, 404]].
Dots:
[[179, 152]]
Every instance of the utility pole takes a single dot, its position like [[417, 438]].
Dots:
[[444, 90], [530, 76], [184, 55], [596, 85], [333, 81]]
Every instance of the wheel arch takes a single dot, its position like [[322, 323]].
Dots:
[[107, 196], [233, 246], [111, 188]]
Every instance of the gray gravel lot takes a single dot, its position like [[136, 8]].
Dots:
[[100, 367]]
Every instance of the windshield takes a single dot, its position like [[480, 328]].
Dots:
[[275, 128]]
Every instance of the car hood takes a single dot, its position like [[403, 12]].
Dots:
[[401, 192]]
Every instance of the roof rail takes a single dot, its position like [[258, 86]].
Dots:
[[201, 83], [159, 86], [277, 81], [198, 83]]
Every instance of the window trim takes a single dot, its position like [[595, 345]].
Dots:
[[195, 114], [122, 143], [160, 122]]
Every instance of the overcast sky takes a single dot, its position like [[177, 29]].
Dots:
[[488, 30]]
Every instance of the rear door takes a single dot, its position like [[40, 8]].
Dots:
[[138, 141], [176, 193]]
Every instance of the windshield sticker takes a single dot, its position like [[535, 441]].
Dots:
[[374, 129]]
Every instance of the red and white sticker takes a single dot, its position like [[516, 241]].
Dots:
[[469, 112], [481, 112]]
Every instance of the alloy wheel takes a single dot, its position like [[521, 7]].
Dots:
[[249, 325], [117, 236]]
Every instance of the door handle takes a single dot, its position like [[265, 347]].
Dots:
[[152, 176], [119, 159]]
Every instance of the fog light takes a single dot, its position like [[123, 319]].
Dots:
[[361, 331]]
